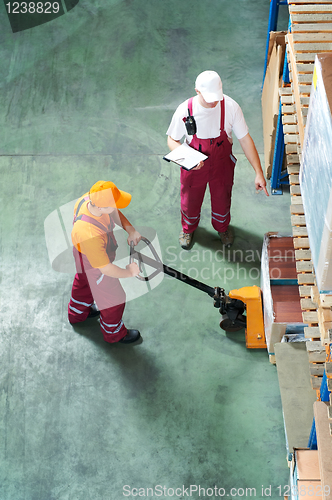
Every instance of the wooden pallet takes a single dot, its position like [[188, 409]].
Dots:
[[318, 350], [324, 313]]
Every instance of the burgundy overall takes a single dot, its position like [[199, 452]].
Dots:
[[91, 285], [218, 172]]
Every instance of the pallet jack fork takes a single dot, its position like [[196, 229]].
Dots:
[[231, 307]]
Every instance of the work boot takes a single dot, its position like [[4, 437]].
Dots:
[[227, 237], [185, 240], [132, 336], [94, 311]]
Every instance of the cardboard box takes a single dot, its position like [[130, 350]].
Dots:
[[307, 464], [307, 480]]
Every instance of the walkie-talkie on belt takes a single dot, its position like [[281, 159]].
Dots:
[[190, 124]]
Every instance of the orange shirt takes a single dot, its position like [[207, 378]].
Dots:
[[89, 239]]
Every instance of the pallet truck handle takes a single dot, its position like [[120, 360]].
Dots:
[[218, 294], [134, 254]]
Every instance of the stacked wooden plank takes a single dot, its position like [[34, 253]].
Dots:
[[311, 33], [324, 304]]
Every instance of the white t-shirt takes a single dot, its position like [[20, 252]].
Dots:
[[208, 121]]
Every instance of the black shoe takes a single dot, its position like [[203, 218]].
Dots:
[[227, 238], [132, 336], [94, 312]]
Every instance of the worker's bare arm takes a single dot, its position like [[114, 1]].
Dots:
[[114, 271], [123, 222], [172, 143], [251, 153]]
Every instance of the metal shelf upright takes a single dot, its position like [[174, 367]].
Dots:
[[272, 26], [324, 395], [278, 178]]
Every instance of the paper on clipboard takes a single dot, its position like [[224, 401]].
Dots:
[[185, 156]]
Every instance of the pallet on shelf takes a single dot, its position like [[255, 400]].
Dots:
[[282, 308]]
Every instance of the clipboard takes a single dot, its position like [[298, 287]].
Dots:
[[185, 156]]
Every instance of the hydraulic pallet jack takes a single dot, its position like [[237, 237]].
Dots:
[[231, 307]]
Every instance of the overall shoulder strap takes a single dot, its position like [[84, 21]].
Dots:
[[107, 230], [222, 114], [79, 206], [91, 220], [190, 106], [85, 198], [112, 223]]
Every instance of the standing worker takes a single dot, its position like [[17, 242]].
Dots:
[[97, 279], [207, 122]]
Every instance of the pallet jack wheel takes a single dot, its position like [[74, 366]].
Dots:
[[233, 326]]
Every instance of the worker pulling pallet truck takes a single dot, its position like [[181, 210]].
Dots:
[[232, 306]]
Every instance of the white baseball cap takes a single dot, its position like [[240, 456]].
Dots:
[[210, 86]]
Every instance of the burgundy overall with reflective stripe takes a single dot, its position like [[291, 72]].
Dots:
[[90, 286], [218, 172]]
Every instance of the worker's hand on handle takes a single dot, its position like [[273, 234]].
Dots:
[[260, 183], [132, 269], [199, 166], [134, 236]]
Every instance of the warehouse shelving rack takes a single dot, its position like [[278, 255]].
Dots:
[[309, 33]]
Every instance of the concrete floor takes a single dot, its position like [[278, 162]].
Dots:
[[89, 96]]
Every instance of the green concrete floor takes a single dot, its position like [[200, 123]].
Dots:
[[89, 96]]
